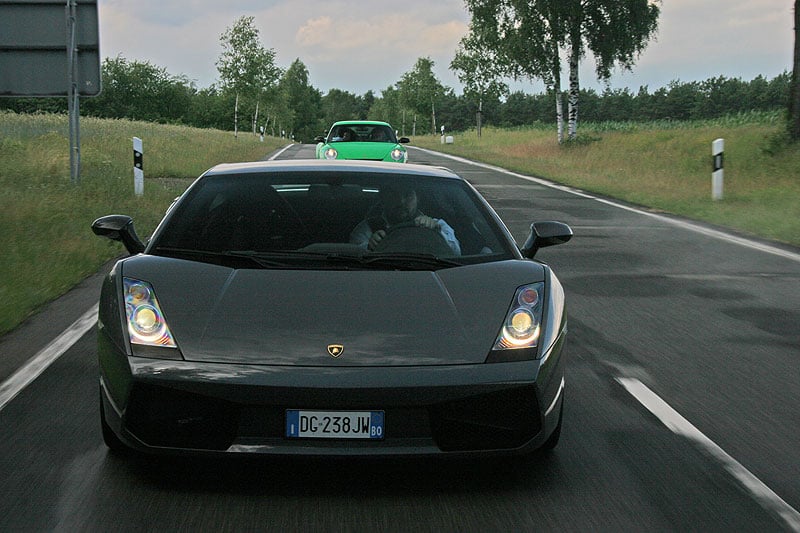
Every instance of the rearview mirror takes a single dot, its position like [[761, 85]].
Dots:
[[546, 233], [119, 228]]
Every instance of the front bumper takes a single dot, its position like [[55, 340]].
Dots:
[[177, 406]]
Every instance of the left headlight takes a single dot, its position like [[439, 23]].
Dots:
[[398, 155], [522, 325], [146, 323], [331, 153]]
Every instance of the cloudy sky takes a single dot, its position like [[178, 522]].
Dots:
[[361, 45]]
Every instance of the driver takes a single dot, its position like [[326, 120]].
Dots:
[[399, 206]]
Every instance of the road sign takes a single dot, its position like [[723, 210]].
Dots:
[[34, 39]]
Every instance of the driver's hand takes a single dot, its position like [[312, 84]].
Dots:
[[375, 239], [426, 222]]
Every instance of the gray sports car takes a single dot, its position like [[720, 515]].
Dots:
[[331, 308]]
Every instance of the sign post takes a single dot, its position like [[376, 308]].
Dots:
[[717, 175], [138, 167]]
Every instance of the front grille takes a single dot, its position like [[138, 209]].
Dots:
[[499, 420], [168, 418]]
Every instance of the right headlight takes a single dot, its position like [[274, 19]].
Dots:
[[331, 153], [522, 324]]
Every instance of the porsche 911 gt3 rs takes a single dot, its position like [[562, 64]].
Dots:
[[331, 308], [362, 139]]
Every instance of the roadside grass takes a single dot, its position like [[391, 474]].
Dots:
[[663, 166], [46, 246]]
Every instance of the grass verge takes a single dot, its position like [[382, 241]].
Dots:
[[664, 166], [47, 246]]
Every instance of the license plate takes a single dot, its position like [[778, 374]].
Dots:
[[334, 424]]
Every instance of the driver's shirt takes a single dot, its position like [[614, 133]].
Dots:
[[362, 232]]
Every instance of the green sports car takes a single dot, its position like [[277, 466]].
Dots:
[[362, 139]]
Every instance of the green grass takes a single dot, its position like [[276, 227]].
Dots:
[[664, 166], [47, 246]]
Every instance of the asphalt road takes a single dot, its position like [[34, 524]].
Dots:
[[682, 385]]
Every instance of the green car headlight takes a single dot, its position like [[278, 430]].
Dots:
[[522, 324], [331, 153], [146, 323], [398, 154]]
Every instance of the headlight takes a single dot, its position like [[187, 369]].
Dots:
[[523, 322], [146, 323], [331, 153], [398, 154]]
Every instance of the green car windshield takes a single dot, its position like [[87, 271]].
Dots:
[[362, 133]]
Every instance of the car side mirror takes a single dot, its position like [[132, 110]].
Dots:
[[319, 139], [119, 228], [546, 233], [404, 140]]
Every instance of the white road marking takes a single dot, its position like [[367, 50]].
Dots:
[[754, 245], [39, 363], [680, 426], [279, 152]]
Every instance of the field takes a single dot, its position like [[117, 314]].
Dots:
[[47, 246]]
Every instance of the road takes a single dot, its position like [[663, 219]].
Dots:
[[682, 387]]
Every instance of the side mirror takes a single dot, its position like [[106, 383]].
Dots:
[[404, 140], [319, 139], [119, 228], [547, 233]]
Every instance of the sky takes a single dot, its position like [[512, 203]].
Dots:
[[363, 45]]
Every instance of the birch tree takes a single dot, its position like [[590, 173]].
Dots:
[[794, 91], [245, 67], [528, 37]]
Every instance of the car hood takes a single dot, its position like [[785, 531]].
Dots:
[[291, 317], [364, 150]]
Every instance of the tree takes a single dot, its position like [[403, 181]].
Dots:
[[794, 91], [480, 72], [304, 101], [139, 90], [245, 67], [420, 90], [528, 36]]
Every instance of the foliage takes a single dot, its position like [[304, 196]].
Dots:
[[420, 90], [303, 101]]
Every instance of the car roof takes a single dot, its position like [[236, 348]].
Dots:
[[339, 165]]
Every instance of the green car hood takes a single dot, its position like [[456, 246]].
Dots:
[[374, 151]]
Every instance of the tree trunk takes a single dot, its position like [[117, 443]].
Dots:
[[433, 118], [574, 85], [255, 119], [236, 117], [794, 94], [478, 117]]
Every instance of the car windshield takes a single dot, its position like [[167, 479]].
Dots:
[[362, 133], [328, 220]]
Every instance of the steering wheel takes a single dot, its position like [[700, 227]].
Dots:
[[410, 238]]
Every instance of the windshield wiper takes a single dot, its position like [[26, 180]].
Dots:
[[227, 255], [408, 261]]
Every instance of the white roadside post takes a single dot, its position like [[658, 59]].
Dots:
[[138, 169], [442, 133], [717, 148]]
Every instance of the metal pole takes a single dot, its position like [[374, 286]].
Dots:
[[73, 102]]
